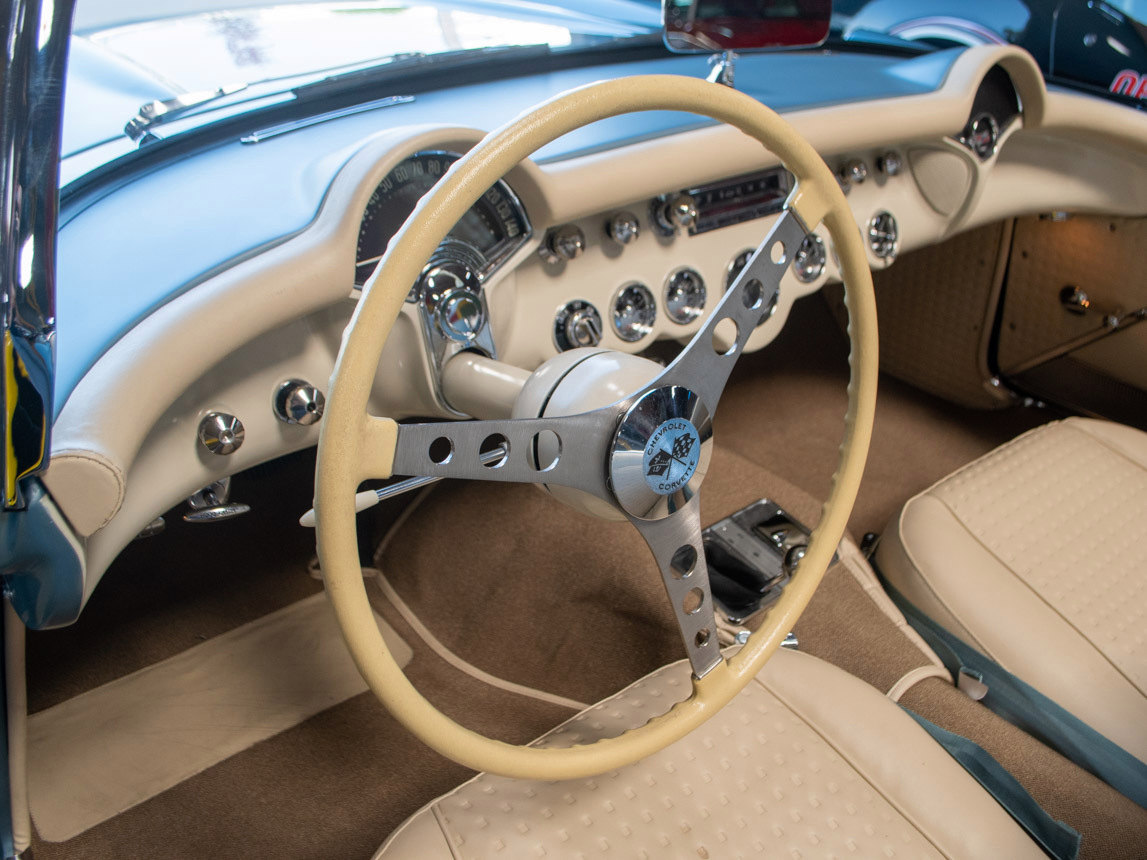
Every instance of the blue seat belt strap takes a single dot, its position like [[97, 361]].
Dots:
[[1058, 840], [1024, 706]]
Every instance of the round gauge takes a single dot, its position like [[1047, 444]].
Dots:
[[494, 226], [982, 135], [808, 263], [684, 296], [884, 236], [634, 310]]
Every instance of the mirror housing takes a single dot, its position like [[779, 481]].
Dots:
[[716, 26]]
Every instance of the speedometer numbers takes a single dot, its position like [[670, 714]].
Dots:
[[493, 228]]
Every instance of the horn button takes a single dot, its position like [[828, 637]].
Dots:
[[660, 452]]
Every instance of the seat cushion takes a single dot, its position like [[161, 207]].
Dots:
[[1036, 554], [807, 761]]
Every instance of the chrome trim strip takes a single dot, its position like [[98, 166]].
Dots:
[[307, 122], [35, 59]]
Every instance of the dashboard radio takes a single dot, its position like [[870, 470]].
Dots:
[[719, 204]]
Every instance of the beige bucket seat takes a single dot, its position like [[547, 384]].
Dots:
[[808, 761], [1036, 554]]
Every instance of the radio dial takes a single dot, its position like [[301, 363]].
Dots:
[[678, 212]]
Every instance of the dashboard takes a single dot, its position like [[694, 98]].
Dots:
[[626, 247]]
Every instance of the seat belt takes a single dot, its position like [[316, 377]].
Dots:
[[1057, 839], [1024, 706]]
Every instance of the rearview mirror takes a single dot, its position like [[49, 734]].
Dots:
[[712, 26]]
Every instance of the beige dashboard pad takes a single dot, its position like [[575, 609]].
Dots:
[[101, 753]]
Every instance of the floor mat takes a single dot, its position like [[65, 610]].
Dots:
[[333, 786], [107, 750]]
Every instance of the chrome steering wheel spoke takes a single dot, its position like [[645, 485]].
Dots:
[[569, 451], [676, 545], [705, 364]]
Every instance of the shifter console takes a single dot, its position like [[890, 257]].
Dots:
[[751, 555]]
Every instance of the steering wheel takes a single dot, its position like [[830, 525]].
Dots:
[[645, 455]]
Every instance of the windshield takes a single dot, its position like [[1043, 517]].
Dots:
[[140, 72], [200, 50]]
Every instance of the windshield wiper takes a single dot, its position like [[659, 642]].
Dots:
[[400, 66], [154, 113]]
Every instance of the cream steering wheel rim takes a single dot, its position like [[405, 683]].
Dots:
[[354, 446]]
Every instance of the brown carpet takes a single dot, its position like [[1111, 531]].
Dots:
[[784, 409], [542, 591]]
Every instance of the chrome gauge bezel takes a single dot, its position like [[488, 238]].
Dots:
[[884, 236], [732, 269], [811, 242], [690, 312], [644, 328], [982, 136], [562, 317]]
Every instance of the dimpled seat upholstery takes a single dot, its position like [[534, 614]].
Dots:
[[806, 762], [1036, 554]]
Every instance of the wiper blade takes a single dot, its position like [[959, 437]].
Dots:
[[154, 113], [400, 65]]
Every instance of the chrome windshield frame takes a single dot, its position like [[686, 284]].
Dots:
[[31, 110]]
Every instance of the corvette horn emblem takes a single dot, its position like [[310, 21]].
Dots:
[[671, 456]]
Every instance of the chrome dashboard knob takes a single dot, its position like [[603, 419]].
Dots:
[[623, 228], [221, 433], [890, 163], [857, 171], [563, 243], [584, 327], [298, 402]]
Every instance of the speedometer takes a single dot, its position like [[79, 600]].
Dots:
[[494, 227]]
